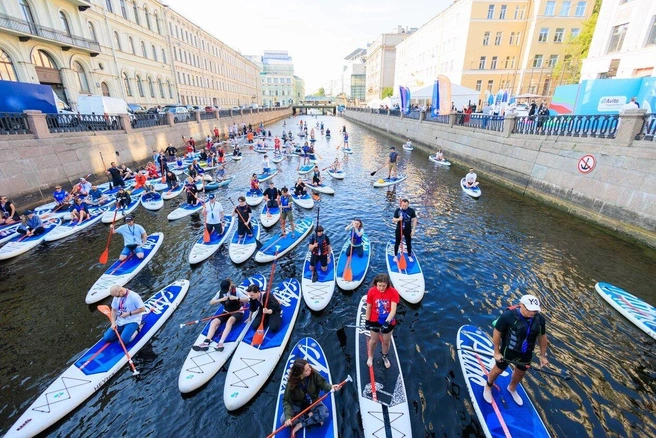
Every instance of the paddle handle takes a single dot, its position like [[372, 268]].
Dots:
[[210, 317], [563, 375]]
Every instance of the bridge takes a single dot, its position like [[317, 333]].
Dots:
[[324, 104]]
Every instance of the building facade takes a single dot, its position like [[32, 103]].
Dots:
[[381, 61], [624, 41], [277, 80], [492, 45], [299, 89], [355, 76]]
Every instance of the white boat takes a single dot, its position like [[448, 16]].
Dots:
[[20, 244], [320, 188], [269, 216], [203, 250], [474, 192], [317, 294], [72, 227], [242, 248], [304, 201], [152, 201], [440, 162]]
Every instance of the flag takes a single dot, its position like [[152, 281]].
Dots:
[[436, 97]]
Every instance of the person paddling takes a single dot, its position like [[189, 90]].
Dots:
[[286, 212], [134, 236], [393, 158], [244, 215], [115, 172], [357, 231], [232, 300], [126, 315], [271, 313], [406, 220], [382, 302], [321, 250]]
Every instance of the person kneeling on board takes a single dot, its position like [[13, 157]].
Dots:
[[127, 308], [31, 224], [134, 237], [233, 313], [272, 311], [516, 332], [80, 211], [470, 178], [302, 390]]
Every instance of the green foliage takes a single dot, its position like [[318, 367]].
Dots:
[[387, 92], [320, 93], [568, 68]]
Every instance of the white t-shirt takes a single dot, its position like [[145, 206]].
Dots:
[[629, 106], [129, 303], [470, 178], [214, 212], [131, 234]]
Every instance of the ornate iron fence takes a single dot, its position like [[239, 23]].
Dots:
[[207, 116], [648, 130], [598, 126], [147, 120], [224, 113], [82, 122], [395, 112], [440, 118], [481, 121], [14, 123]]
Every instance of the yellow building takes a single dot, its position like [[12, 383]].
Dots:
[[492, 45]]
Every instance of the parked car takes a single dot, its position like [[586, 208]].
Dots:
[[210, 109], [180, 113], [521, 109], [136, 109], [155, 110], [236, 108]]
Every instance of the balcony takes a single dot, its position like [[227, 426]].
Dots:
[[26, 30], [82, 5]]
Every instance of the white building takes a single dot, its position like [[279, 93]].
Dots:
[[381, 61], [277, 83], [354, 76], [624, 41]]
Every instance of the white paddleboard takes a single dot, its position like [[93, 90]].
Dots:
[[166, 194], [317, 295], [339, 174], [358, 265], [269, 216], [409, 281], [20, 244], [321, 188], [152, 201], [184, 210], [285, 244], [384, 182], [242, 248], [254, 198], [631, 307], [304, 201], [474, 192], [72, 227], [203, 250], [440, 162]]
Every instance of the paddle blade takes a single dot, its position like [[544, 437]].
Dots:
[[206, 236], [315, 196], [163, 179], [348, 273], [104, 256], [402, 262], [258, 337], [104, 309]]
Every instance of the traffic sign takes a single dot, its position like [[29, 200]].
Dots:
[[587, 163]]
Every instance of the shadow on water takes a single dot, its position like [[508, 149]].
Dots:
[[479, 256]]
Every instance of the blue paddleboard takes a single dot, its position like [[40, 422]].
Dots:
[[284, 244]]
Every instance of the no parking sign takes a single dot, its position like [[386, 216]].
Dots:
[[587, 163]]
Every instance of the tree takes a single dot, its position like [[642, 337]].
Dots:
[[320, 93], [568, 69], [387, 92]]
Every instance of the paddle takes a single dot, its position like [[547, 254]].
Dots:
[[105, 166], [565, 375], [297, 416], [105, 253], [108, 313], [348, 272], [206, 234], [374, 172], [402, 262], [258, 337], [258, 244], [198, 321]]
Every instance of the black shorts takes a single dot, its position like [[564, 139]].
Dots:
[[224, 318], [314, 259], [218, 227], [375, 326], [520, 360]]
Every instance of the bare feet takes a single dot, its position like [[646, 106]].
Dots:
[[370, 361], [386, 361]]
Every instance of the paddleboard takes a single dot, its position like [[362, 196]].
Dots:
[[304, 201], [223, 183], [152, 201], [388, 413], [95, 367], [200, 366], [310, 350], [251, 366], [242, 248], [208, 187], [474, 192], [173, 193], [358, 265], [305, 169], [321, 188], [269, 216], [339, 174], [502, 418], [277, 158], [122, 272], [236, 157], [261, 177], [317, 295], [20, 244], [158, 185], [407, 148], [440, 162], [285, 244], [260, 150], [254, 198], [108, 215], [72, 227], [384, 182], [184, 210], [202, 250], [410, 281], [631, 307], [347, 150], [8, 232]]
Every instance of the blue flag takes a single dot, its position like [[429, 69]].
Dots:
[[436, 97]]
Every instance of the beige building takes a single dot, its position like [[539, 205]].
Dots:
[[276, 79], [299, 89], [381, 61], [492, 45], [208, 72], [624, 41]]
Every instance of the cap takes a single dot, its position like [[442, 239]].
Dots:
[[393, 148], [82, 179], [531, 303], [211, 196], [129, 218], [225, 285], [29, 212]]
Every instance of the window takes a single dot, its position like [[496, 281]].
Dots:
[[7, 71], [502, 12], [64, 22], [154, 52], [131, 44], [617, 39], [175, 54], [147, 18], [550, 8], [161, 88], [537, 61], [486, 38], [564, 8], [580, 9], [104, 89], [135, 9], [92, 32], [490, 85], [490, 12], [124, 11], [558, 36], [151, 87], [497, 38], [507, 63], [140, 89], [156, 18], [117, 41], [553, 60], [126, 84], [493, 63], [168, 84], [544, 35], [575, 32], [108, 4], [143, 50], [651, 39], [512, 62], [481, 63], [519, 12], [164, 56]]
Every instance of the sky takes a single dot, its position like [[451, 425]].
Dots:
[[318, 34]]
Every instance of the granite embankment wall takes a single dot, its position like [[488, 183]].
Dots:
[[32, 164], [619, 193]]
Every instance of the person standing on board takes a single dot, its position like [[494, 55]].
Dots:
[[516, 332], [286, 213], [470, 178], [272, 311], [406, 220], [303, 386], [271, 196], [233, 313], [134, 236], [244, 215], [115, 172], [393, 158], [213, 215], [357, 231], [382, 301], [127, 309], [171, 152]]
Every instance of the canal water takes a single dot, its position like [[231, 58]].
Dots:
[[479, 256]]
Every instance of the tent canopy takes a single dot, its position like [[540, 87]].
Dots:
[[527, 96], [460, 96]]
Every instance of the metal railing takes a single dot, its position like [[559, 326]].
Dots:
[[82, 122], [207, 116], [225, 113], [648, 130], [147, 120], [14, 123], [394, 112], [598, 126], [440, 118], [412, 115], [9, 22], [481, 121]]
